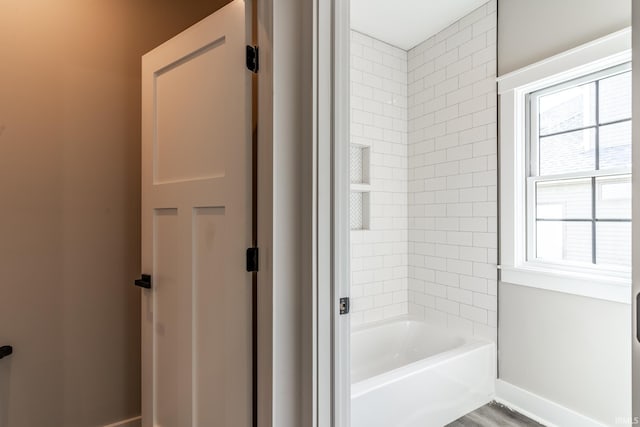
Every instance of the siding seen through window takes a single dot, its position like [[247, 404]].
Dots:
[[579, 180]]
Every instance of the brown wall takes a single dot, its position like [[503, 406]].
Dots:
[[69, 203]]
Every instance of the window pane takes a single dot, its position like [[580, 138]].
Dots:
[[564, 241], [615, 146], [613, 243], [615, 98], [568, 152], [564, 199], [613, 197], [568, 109]]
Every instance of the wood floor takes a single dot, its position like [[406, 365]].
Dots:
[[494, 415]]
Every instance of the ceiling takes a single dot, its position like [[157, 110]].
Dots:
[[407, 23]]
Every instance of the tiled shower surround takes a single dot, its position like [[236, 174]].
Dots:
[[441, 173], [379, 261]]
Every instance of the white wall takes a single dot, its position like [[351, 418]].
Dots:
[[569, 349], [566, 349], [453, 175], [379, 120], [534, 30]]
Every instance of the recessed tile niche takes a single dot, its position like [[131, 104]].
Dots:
[[360, 187]]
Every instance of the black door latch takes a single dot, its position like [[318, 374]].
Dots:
[[345, 305], [144, 281]]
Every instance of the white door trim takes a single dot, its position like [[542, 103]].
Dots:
[[301, 276], [332, 104], [287, 237], [323, 228], [635, 366], [341, 250]]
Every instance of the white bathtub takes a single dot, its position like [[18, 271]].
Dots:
[[409, 373]]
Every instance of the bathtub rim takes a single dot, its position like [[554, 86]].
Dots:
[[471, 344]]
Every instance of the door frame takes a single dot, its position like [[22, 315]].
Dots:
[[287, 368], [332, 43], [341, 247], [635, 316], [289, 336], [303, 217]]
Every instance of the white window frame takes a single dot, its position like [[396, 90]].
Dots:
[[514, 89], [533, 179]]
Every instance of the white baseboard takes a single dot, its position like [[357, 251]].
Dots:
[[131, 422], [540, 409]]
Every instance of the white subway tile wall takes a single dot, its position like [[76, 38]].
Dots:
[[379, 258], [429, 116], [453, 177]]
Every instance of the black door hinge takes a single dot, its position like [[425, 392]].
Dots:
[[344, 305], [253, 59], [252, 260]]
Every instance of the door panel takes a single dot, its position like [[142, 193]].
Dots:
[[196, 113], [209, 236], [196, 219], [171, 308]]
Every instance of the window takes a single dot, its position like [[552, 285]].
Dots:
[[578, 186], [565, 186]]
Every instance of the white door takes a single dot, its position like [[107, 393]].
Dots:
[[196, 226]]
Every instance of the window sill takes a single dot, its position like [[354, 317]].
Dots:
[[608, 288]]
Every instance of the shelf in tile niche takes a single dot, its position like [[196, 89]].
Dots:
[[359, 210], [360, 164], [361, 188]]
